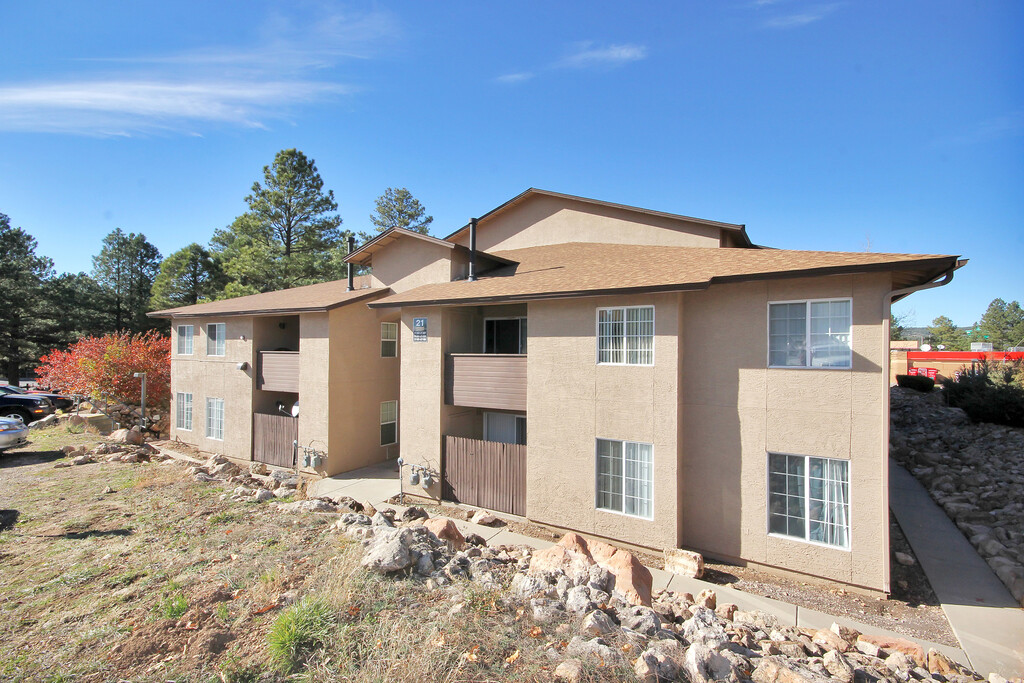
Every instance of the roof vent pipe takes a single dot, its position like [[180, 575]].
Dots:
[[351, 268], [472, 250]]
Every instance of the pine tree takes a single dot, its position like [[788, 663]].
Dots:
[[126, 267], [397, 208], [22, 277], [188, 276]]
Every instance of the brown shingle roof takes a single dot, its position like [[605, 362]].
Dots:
[[587, 269], [308, 299]]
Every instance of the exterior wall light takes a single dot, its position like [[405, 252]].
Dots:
[[244, 365]]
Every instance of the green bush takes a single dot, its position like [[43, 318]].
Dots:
[[171, 607], [299, 631], [922, 383], [988, 394]]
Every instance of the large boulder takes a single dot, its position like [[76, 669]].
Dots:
[[445, 529], [131, 436], [684, 562], [388, 553], [778, 669], [594, 651], [574, 555]]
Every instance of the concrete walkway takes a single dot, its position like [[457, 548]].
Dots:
[[377, 483], [986, 619]]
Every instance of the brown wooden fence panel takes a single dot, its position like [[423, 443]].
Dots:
[[273, 439], [486, 474]]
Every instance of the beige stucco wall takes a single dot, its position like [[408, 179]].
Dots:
[[735, 410], [315, 399], [409, 262], [543, 220], [360, 380], [216, 377], [421, 407], [572, 401]]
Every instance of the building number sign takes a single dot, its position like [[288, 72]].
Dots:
[[419, 329]]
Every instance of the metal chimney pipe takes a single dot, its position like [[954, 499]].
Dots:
[[351, 270], [472, 250]]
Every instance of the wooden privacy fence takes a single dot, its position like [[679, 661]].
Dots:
[[273, 439], [486, 474]]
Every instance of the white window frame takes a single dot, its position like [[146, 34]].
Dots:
[[209, 419], [807, 493], [807, 333], [394, 422], [625, 352], [522, 321], [182, 416], [218, 342], [186, 340], [393, 339], [597, 475]]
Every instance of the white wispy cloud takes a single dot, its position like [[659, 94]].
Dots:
[[584, 55], [517, 77], [183, 92], [802, 18]]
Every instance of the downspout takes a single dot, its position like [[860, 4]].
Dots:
[[939, 281], [351, 269], [472, 250]]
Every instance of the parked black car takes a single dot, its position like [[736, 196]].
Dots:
[[58, 400], [25, 406]]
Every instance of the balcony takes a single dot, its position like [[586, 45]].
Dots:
[[278, 371], [486, 380]]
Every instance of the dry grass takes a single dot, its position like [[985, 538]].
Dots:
[[161, 580]]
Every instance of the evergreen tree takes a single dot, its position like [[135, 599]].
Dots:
[[1002, 324], [22, 277], [290, 235], [126, 267], [397, 208], [188, 276], [944, 331]]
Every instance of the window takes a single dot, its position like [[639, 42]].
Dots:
[[625, 479], [505, 428], [810, 334], [388, 423], [505, 335], [625, 336], [183, 411], [215, 339], [809, 498], [215, 418], [185, 340], [388, 340]]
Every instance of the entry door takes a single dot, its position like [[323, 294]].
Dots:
[[505, 428]]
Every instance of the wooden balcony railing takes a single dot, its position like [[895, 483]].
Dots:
[[278, 371], [485, 380]]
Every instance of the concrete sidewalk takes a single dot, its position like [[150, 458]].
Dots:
[[986, 619], [378, 483]]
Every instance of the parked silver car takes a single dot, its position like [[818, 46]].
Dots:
[[13, 433]]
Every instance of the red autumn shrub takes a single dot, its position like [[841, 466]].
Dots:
[[104, 368]]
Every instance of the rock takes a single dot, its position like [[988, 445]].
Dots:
[[380, 520], [306, 506], [574, 555], [387, 555], [61, 464], [905, 559], [705, 665], [263, 495], [684, 562], [414, 513], [830, 640], [475, 540], [445, 529], [368, 509], [129, 436], [939, 663], [546, 610], [898, 661], [352, 518], [837, 665], [868, 648], [907, 647], [242, 491], [577, 600], [850, 635], [704, 627], [597, 623], [569, 671], [284, 492], [107, 489], [776, 669], [43, 422], [225, 469], [525, 587], [594, 651], [82, 460], [258, 468], [662, 660], [484, 517], [640, 619], [707, 598], [726, 610]]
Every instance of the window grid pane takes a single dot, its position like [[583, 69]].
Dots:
[[787, 334], [185, 340], [215, 339], [830, 334], [625, 480], [388, 411], [626, 335], [808, 498], [215, 418], [183, 412]]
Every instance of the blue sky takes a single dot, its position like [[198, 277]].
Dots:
[[820, 125]]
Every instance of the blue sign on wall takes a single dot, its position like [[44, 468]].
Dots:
[[419, 329]]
